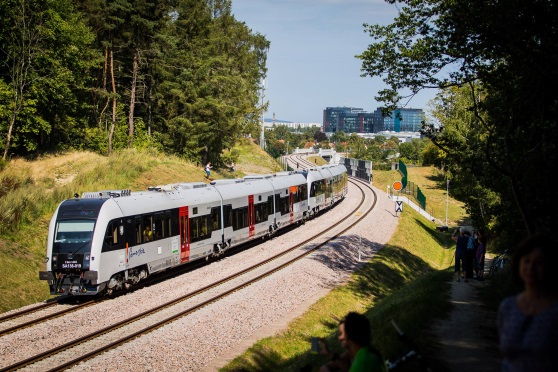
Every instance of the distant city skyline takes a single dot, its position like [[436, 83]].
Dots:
[[311, 61]]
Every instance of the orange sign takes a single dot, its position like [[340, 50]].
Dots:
[[397, 186]]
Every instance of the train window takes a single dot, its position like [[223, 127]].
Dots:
[[111, 237], [195, 210], [172, 222], [159, 226], [259, 198], [215, 218], [240, 218], [277, 203], [284, 205], [261, 212], [303, 190], [199, 228], [205, 226], [227, 215], [243, 217], [270, 204], [137, 229], [147, 228], [194, 229]]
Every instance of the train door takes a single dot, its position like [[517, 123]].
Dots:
[[184, 226], [251, 216]]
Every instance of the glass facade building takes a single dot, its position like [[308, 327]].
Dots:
[[404, 120], [356, 120]]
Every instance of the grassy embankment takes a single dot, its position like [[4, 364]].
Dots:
[[408, 281], [30, 191]]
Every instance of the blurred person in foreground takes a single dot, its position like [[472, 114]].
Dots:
[[528, 321], [359, 356]]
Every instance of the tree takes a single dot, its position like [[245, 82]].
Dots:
[[44, 60], [319, 136], [215, 66], [408, 151], [504, 53]]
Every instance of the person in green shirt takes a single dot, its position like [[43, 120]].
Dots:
[[355, 336]]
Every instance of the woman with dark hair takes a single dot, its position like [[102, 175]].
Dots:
[[528, 321], [359, 356]]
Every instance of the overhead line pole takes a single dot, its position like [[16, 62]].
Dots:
[[262, 137], [447, 197]]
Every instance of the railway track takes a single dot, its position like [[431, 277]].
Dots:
[[87, 346]]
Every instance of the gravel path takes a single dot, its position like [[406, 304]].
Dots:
[[211, 337], [468, 336]]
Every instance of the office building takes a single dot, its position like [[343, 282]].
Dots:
[[356, 120]]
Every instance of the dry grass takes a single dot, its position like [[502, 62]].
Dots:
[[61, 168]]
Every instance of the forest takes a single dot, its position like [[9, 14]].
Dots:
[[181, 76]]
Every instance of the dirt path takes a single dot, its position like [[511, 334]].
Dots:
[[469, 339]]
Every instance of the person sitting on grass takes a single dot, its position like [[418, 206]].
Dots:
[[360, 355]]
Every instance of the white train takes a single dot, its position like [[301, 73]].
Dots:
[[110, 240]]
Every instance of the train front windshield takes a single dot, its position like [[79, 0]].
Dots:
[[73, 236]]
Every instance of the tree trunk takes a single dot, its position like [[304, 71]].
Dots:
[[105, 71], [111, 134], [133, 99]]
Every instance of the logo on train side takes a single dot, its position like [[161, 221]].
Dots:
[[139, 252]]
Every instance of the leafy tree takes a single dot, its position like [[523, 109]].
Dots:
[[408, 151], [338, 137], [281, 132], [433, 155], [218, 65], [44, 61], [319, 136], [505, 54]]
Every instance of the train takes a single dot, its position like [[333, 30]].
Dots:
[[108, 241]]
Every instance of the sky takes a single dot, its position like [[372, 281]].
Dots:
[[311, 60]]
